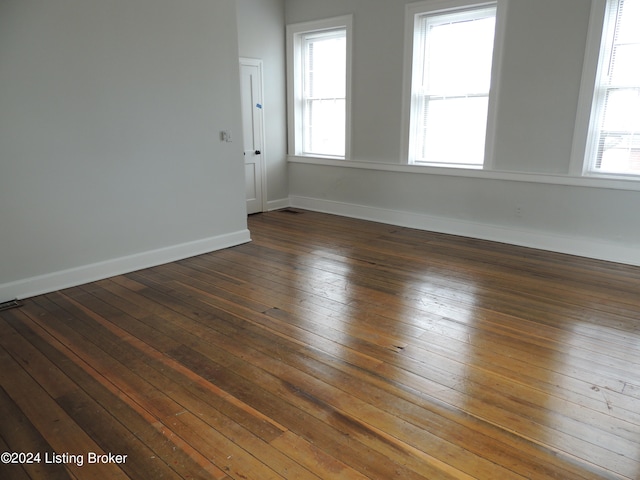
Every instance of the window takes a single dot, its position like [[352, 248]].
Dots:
[[613, 146], [319, 77], [452, 57]]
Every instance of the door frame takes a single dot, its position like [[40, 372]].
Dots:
[[256, 62]]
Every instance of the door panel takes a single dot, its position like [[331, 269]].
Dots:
[[252, 125], [250, 182]]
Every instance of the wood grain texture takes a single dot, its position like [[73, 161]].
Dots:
[[333, 348]]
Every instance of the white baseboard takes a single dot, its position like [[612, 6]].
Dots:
[[278, 204], [583, 247], [50, 282]]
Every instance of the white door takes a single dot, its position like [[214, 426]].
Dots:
[[252, 130]]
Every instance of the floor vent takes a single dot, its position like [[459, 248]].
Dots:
[[291, 210], [10, 304]]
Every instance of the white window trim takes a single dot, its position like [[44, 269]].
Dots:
[[294, 71], [584, 122], [584, 138], [439, 6]]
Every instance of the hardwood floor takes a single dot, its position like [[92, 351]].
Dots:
[[331, 348]]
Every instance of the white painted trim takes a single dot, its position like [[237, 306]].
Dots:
[[294, 73], [50, 282], [496, 75], [349, 88], [592, 182], [278, 204], [438, 6], [256, 62], [581, 135], [407, 72], [526, 238]]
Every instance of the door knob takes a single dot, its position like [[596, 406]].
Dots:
[[257, 152]]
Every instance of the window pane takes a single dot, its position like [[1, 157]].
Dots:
[[454, 130], [324, 125], [625, 68], [459, 57], [326, 68], [622, 110], [628, 30], [620, 154], [619, 143]]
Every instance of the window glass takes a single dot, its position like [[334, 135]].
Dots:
[[452, 63], [324, 93]]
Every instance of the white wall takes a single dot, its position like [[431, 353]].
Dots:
[[261, 36], [528, 196], [110, 158]]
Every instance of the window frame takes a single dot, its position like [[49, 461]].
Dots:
[[295, 81], [591, 104], [413, 12]]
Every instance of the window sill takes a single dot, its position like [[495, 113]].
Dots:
[[319, 157], [457, 166], [553, 179]]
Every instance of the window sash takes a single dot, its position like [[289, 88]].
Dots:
[[451, 127], [324, 122], [455, 137], [323, 101]]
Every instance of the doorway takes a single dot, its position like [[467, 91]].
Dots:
[[253, 134]]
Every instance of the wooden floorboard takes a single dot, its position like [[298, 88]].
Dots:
[[331, 348]]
